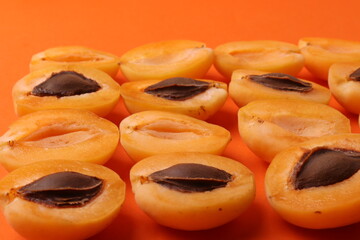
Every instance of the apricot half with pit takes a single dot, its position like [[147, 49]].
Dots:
[[148, 133], [167, 59], [268, 56], [61, 200], [251, 85], [75, 55], [58, 134], [317, 183], [194, 97], [192, 191], [269, 126], [344, 84], [321, 53], [66, 87]]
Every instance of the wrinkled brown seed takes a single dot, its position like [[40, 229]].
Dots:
[[191, 177], [177, 89], [280, 81], [65, 83], [323, 167], [355, 76], [62, 189]]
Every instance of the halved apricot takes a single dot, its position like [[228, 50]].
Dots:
[[317, 183], [345, 86], [192, 191], [58, 134], [250, 85], [269, 126], [321, 53], [61, 200], [66, 87], [167, 59], [269, 56], [197, 98], [75, 55], [148, 133]]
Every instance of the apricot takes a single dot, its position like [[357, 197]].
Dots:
[[63, 200], [268, 56], [68, 134], [75, 55], [345, 86], [66, 87], [148, 133], [192, 191], [250, 85], [197, 98], [317, 183], [269, 126], [321, 53], [167, 59]]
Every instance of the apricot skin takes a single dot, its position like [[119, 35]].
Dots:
[[149, 133], [100, 102], [242, 91], [268, 56], [269, 126], [201, 106], [166, 59], [58, 134], [35, 221], [192, 211], [321, 53], [329, 206], [75, 55]]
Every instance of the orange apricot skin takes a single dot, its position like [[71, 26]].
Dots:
[[263, 55], [167, 59], [201, 106], [270, 126], [321, 53], [68, 134], [242, 90], [148, 133], [100, 102], [317, 207], [35, 221], [345, 91], [75, 55], [192, 211]]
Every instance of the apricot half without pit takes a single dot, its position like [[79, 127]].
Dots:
[[63, 199]]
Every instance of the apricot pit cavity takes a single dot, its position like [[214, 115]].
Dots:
[[191, 177], [355, 76]]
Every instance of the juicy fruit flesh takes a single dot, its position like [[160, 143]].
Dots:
[[80, 57], [254, 55]]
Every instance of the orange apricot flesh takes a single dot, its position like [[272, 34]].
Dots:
[[38, 221], [58, 134], [75, 55], [192, 210], [100, 102], [148, 133], [166, 59], [316, 207]]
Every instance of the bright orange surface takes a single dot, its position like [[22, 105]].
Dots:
[[27, 27]]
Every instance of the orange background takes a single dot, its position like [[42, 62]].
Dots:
[[27, 27]]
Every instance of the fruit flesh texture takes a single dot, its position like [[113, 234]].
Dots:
[[321, 53], [268, 56], [269, 126], [201, 106], [317, 207], [75, 55], [36, 221], [63, 134], [100, 102], [166, 59], [192, 211], [149, 133]]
